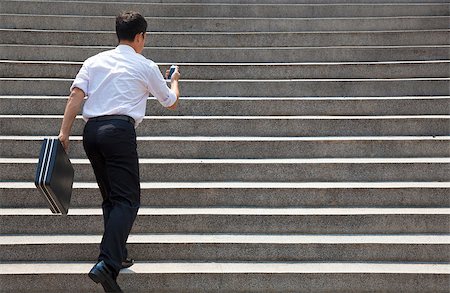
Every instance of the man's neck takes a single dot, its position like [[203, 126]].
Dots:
[[128, 43]]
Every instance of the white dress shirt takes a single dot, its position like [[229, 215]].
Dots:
[[118, 82]]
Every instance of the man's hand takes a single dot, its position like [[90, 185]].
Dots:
[[64, 141], [175, 75], [174, 85], [73, 106]]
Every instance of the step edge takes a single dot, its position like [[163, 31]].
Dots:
[[210, 238], [237, 268], [146, 211], [254, 185]]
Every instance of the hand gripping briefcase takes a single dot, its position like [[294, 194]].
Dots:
[[54, 175]]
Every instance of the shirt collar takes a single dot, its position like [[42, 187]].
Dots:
[[125, 49]]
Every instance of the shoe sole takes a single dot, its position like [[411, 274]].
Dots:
[[99, 279], [94, 278], [103, 280]]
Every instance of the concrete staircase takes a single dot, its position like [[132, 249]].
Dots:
[[310, 151]]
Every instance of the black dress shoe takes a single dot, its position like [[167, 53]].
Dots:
[[100, 273], [128, 262]]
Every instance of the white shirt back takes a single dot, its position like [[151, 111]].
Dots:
[[118, 82]]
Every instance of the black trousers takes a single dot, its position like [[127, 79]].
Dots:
[[111, 148]]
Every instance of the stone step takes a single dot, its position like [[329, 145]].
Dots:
[[249, 194], [233, 277], [235, 39], [236, 220], [252, 106], [279, 126], [273, 1], [233, 248], [253, 147], [229, 10], [227, 54], [276, 1], [260, 170], [226, 24], [214, 71], [259, 87]]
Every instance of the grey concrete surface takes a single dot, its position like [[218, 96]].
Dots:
[[235, 40], [234, 282], [260, 88], [255, 148], [270, 282], [239, 106], [255, 54], [214, 223], [384, 195], [313, 170], [220, 71], [215, 10], [249, 126], [234, 252], [223, 24], [275, 1]]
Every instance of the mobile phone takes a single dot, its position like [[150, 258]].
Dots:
[[171, 71]]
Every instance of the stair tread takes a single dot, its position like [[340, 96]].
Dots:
[[232, 238], [257, 161], [244, 267], [232, 98], [256, 80], [150, 211], [235, 185], [248, 138], [309, 117], [259, 64]]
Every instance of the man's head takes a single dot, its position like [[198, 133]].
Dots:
[[130, 29]]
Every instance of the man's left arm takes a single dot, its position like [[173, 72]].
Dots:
[[73, 107]]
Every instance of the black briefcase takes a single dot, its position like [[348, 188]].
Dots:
[[54, 175]]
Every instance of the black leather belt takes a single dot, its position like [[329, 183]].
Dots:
[[113, 117]]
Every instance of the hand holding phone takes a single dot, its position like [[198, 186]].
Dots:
[[173, 69]]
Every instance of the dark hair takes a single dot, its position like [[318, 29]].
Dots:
[[129, 24]]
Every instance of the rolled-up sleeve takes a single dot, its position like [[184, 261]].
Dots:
[[159, 89], [82, 79]]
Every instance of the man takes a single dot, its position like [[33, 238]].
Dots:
[[116, 83]]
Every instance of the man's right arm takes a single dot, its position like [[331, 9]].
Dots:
[[157, 85]]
